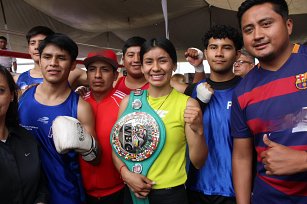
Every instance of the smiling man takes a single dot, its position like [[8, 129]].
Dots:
[[269, 109], [41, 104], [131, 59], [34, 76]]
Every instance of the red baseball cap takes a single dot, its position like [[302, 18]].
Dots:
[[107, 56]]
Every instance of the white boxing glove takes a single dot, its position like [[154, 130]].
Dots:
[[68, 134], [203, 92]]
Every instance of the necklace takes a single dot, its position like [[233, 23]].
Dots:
[[163, 100], [5, 135]]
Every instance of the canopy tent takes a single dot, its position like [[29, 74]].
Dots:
[[99, 24], [295, 6]]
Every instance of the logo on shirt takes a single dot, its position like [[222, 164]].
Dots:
[[229, 103], [29, 127], [27, 154], [301, 81], [161, 113], [44, 120], [50, 134]]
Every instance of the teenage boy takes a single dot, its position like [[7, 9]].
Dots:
[[34, 76], [212, 184]]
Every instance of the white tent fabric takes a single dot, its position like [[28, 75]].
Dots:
[[95, 24], [295, 6]]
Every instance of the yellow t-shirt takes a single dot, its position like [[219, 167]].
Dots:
[[169, 169]]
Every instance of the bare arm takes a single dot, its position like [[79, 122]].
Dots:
[[242, 158], [199, 76], [194, 131], [120, 74], [86, 117], [15, 77], [14, 66], [77, 77], [178, 86]]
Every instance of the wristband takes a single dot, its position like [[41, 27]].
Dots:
[[120, 170]]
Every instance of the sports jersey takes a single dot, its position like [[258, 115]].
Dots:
[[121, 86], [103, 179], [215, 177], [275, 103], [25, 79], [169, 170], [62, 170]]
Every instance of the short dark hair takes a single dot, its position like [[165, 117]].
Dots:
[[162, 43], [11, 118], [43, 30], [62, 41], [279, 6], [224, 31], [3, 38], [133, 41]]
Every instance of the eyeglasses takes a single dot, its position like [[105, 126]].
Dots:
[[240, 62]]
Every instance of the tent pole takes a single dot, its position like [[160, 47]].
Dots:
[[165, 14]]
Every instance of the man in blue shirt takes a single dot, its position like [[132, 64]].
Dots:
[[41, 104], [212, 184]]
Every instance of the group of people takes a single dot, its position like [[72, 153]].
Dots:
[[238, 136]]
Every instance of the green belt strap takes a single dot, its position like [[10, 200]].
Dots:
[[136, 153]]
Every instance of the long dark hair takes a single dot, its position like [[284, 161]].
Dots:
[[11, 119]]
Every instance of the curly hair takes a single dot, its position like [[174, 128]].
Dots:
[[279, 6], [224, 31]]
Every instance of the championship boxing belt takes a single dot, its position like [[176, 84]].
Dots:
[[138, 136]]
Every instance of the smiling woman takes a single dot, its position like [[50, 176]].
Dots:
[[161, 181], [18, 150]]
